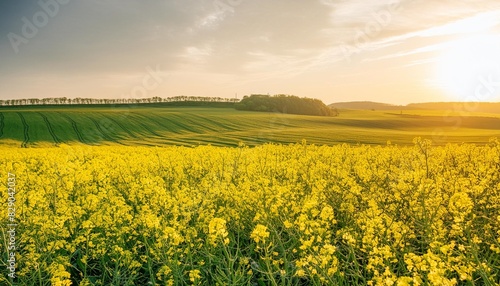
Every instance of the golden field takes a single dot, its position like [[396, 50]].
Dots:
[[270, 215]]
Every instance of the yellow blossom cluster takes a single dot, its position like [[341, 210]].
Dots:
[[217, 230], [259, 234]]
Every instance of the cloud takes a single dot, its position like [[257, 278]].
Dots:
[[414, 42]]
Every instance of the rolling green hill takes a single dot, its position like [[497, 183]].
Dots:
[[485, 107], [366, 105], [38, 126]]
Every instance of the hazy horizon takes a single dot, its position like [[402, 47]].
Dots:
[[327, 103], [395, 52]]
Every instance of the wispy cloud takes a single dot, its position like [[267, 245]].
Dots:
[[481, 22]]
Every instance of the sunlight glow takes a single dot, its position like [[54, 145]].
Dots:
[[469, 68]]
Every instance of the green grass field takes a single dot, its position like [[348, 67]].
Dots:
[[190, 126]]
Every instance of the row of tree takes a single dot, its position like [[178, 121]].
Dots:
[[285, 104], [78, 100], [256, 102]]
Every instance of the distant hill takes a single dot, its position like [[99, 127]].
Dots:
[[366, 105], [486, 107]]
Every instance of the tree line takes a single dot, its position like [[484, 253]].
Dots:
[[92, 101], [285, 104], [256, 102]]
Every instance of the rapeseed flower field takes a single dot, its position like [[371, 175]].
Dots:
[[270, 215]]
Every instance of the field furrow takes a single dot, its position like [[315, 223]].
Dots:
[[139, 120], [26, 127], [105, 135], [122, 126], [49, 127], [186, 123], [75, 127], [167, 124]]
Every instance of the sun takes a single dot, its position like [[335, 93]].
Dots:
[[469, 68]]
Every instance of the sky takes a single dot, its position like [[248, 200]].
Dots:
[[392, 51]]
